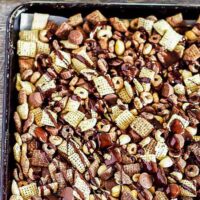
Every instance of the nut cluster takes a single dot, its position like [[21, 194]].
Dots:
[[107, 109]]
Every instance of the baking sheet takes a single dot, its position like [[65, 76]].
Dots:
[[55, 8]]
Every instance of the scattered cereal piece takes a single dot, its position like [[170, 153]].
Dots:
[[141, 126]]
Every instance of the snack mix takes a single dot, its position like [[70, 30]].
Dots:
[[108, 109]]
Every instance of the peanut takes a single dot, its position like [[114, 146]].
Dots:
[[119, 47]]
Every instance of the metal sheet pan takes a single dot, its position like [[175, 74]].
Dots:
[[121, 10]]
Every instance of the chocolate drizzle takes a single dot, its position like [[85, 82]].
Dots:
[[81, 59]]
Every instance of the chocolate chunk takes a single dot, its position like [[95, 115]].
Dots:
[[176, 126], [168, 58], [111, 99], [104, 140], [167, 90]]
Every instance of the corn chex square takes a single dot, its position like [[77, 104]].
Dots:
[[82, 186], [192, 83], [39, 21], [141, 126], [37, 116], [116, 111], [82, 52], [77, 162], [29, 190], [102, 86], [74, 118], [59, 62], [150, 148], [85, 159], [124, 96], [189, 184], [46, 120], [186, 193], [28, 35], [160, 196], [57, 69], [96, 16], [147, 73], [43, 79], [43, 47], [26, 48], [124, 119], [146, 24], [162, 26], [66, 149], [192, 53], [78, 65], [89, 74], [72, 105], [170, 39], [65, 61], [87, 124]]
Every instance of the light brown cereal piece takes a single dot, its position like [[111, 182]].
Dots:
[[28, 35], [146, 24], [124, 96], [160, 196], [74, 117], [72, 105], [141, 126], [87, 124], [147, 73], [96, 17], [43, 47], [81, 185], [75, 20], [124, 119], [39, 21], [103, 86], [29, 190], [170, 39], [26, 48], [192, 53], [77, 162], [162, 26]]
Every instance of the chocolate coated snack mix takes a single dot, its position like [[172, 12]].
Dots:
[[108, 109]]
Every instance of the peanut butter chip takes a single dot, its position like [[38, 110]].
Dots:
[[145, 180], [67, 194], [75, 37]]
